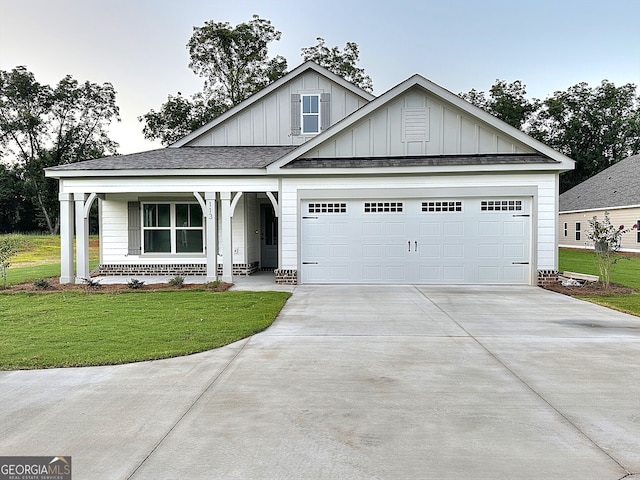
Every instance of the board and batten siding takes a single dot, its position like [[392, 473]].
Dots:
[[618, 216], [418, 124], [268, 121], [544, 213]]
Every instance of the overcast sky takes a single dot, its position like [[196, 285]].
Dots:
[[139, 45]]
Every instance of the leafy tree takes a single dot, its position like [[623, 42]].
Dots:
[[41, 126], [8, 250], [507, 101], [595, 126], [341, 63], [235, 64], [179, 116], [234, 61]]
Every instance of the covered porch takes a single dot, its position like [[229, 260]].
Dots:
[[127, 233]]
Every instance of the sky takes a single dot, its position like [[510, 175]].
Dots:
[[139, 46]]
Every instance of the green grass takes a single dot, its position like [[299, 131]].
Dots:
[[65, 329], [625, 272], [38, 256]]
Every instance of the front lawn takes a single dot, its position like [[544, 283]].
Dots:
[[626, 272], [76, 328]]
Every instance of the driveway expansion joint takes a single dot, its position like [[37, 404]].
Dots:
[[189, 408], [521, 380]]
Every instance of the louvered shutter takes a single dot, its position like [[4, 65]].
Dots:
[[135, 247], [296, 114], [325, 111]]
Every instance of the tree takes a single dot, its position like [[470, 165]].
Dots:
[[595, 126], [179, 116], [42, 126], [7, 251], [235, 64], [507, 101], [342, 63]]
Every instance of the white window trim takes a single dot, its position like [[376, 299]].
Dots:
[[302, 114], [172, 228]]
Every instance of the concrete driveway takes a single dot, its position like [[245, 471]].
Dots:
[[358, 382]]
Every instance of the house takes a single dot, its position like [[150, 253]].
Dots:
[[324, 183], [615, 190]]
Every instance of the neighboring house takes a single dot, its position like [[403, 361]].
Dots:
[[325, 183], [615, 190]]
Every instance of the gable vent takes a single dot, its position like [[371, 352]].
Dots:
[[415, 124]]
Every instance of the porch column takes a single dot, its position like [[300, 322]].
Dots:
[[66, 238], [82, 239], [225, 237], [212, 235]]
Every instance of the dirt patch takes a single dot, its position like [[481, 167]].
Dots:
[[55, 286], [590, 289]]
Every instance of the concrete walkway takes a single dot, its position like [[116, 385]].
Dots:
[[359, 382]]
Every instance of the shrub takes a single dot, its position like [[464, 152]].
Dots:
[[177, 281], [135, 284], [8, 249], [213, 285], [91, 283], [41, 284]]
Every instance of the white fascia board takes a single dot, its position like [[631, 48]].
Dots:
[[227, 172], [566, 163], [266, 91], [600, 209], [419, 170]]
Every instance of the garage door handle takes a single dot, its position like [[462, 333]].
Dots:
[[309, 263], [523, 215], [519, 263], [416, 246], [409, 246], [309, 218]]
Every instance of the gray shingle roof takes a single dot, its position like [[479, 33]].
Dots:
[[185, 158], [420, 161], [616, 186]]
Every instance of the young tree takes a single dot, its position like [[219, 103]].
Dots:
[[42, 126], [7, 251], [341, 63], [507, 101]]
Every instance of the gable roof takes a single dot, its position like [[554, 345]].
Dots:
[[563, 162], [296, 72], [616, 186], [185, 158]]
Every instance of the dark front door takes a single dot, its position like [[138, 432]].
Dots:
[[268, 237]]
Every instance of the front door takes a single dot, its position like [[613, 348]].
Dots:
[[268, 237]]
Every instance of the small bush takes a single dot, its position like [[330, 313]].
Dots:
[[177, 281], [91, 283], [135, 284], [41, 284], [212, 285]]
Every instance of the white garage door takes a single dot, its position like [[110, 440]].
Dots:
[[422, 241]]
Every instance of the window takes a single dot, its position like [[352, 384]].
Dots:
[[566, 229], [310, 114], [327, 208], [500, 205], [442, 206], [577, 231], [172, 228], [383, 207]]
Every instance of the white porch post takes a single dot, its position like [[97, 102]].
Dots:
[[66, 238], [212, 235], [225, 237], [82, 239]]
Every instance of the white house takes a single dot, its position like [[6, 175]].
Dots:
[[615, 190], [325, 183]]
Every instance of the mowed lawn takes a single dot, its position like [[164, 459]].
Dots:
[[82, 328], [625, 272]]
